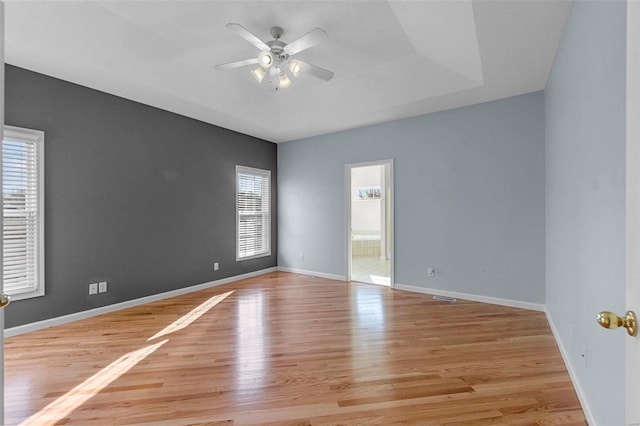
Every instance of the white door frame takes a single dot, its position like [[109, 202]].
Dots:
[[632, 344], [347, 186], [1, 279]]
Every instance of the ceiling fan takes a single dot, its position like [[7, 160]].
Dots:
[[276, 65]]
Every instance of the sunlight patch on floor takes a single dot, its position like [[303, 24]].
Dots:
[[63, 406], [185, 320], [376, 279], [70, 401]]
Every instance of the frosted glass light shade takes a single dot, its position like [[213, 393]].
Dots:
[[295, 68], [284, 81], [259, 74], [265, 59]]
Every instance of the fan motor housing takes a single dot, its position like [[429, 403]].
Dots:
[[277, 49]]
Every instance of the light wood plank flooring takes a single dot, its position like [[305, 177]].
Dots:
[[286, 349]]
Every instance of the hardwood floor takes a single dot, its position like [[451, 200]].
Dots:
[[286, 349]]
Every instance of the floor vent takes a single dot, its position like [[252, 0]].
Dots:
[[445, 298]]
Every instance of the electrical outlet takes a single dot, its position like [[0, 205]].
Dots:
[[431, 272], [216, 266], [102, 287], [93, 288]]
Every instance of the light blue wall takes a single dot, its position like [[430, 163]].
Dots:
[[585, 198], [469, 199]]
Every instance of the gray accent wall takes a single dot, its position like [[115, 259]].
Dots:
[[469, 198], [585, 199], [134, 195]]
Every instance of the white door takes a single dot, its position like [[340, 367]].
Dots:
[[1, 280], [632, 363]]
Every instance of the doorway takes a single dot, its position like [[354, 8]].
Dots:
[[632, 345], [370, 222]]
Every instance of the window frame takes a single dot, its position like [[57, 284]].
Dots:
[[21, 134], [265, 174]]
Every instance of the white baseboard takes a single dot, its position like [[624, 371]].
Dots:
[[572, 372], [473, 297], [312, 273], [39, 325]]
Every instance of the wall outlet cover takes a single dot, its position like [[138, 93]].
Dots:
[[93, 288], [102, 287]]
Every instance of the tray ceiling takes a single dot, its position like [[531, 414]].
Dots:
[[392, 59]]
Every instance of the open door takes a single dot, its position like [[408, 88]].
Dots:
[[632, 344], [369, 189], [3, 301]]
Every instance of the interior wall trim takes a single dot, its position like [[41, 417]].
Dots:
[[473, 297], [312, 273], [572, 373], [40, 325]]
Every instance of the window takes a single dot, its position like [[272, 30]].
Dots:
[[253, 224], [23, 212]]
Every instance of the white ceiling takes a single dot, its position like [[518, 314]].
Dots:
[[392, 59]]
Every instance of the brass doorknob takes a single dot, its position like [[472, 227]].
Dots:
[[4, 300], [610, 320]]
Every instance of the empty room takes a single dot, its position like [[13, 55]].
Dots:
[[320, 212]]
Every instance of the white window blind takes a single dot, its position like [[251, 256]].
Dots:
[[253, 201], [22, 196]]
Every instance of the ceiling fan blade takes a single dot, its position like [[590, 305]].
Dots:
[[308, 40], [250, 37], [316, 71], [237, 64]]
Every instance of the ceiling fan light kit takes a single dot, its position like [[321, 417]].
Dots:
[[259, 74], [284, 81], [275, 58], [295, 68], [265, 59]]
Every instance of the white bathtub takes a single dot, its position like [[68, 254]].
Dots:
[[365, 244]]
